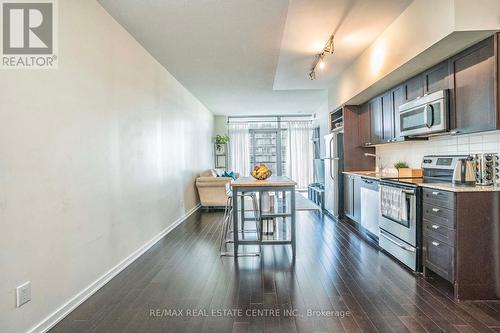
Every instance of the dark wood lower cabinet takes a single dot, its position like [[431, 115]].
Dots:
[[438, 256], [440, 232], [461, 241], [352, 193], [348, 196], [477, 256]]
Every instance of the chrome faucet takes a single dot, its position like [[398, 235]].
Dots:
[[379, 161]]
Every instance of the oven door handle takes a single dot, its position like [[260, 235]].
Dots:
[[396, 243], [405, 191]]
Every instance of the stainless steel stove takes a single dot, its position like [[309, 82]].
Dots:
[[401, 236]]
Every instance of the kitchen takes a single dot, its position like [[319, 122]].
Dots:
[[438, 213]]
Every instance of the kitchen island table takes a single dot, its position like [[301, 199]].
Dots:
[[283, 206]]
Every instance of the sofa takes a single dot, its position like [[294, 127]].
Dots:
[[212, 189]]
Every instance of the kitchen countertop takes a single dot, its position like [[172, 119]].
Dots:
[[371, 174], [460, 188], [450, 187]]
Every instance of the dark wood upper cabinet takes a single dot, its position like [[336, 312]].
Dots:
[[437, 78], [364, 126], [388, 134], [398, 98], [474, 106], [432, 80], [413, 88], [376, 120], [473, 79]]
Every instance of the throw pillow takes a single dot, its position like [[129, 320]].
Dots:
[[229, 174]]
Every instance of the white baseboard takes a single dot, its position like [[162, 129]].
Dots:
[[83, 295]]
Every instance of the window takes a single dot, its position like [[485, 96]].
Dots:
[[283, 143]]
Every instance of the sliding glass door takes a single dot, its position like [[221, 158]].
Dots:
[[283, 143], [268, 147]]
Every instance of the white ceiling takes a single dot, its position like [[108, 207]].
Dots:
[[245, 57], [310, 23]]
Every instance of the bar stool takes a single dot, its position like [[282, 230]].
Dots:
[[227, 221]]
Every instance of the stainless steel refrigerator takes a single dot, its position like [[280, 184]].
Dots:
[[334, 165]]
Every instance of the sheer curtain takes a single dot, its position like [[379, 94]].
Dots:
[[300, 153], [239, 148]]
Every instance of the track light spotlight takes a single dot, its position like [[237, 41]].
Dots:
[[319, 61]]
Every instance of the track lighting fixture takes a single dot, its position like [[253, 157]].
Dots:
[[319, 59]]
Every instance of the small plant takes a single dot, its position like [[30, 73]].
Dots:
[[220, 140], [400, 165]]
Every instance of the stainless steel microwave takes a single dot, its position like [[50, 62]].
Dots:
[[425, 115]]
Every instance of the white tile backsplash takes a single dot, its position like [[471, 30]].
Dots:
[[476, 139], [412, 152], [463, 140], [494, 137]]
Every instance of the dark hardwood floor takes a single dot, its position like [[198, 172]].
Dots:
[[335, 271]]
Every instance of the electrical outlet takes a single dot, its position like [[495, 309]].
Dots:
[[23, 294]]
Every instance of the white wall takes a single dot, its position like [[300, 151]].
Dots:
[[322, 120], [477, 14], [220, 125], [412, 152], [96, 158]]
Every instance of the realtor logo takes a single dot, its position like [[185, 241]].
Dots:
[[29, 38]]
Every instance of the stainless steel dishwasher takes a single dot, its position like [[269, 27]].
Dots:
[[370, 205]]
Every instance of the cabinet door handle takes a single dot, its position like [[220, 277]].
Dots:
[[435, 226], [454, 132], [435, 210], [435, 243], [436, 193]]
